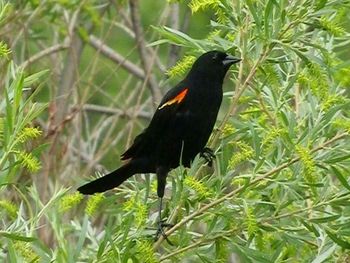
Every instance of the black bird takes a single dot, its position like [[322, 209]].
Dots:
[[179, 129]]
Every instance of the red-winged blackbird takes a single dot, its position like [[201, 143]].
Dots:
[[179, 129]]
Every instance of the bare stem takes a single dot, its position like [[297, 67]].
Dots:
[[115, 111], [116, 57], [146, 62], [44, 53]]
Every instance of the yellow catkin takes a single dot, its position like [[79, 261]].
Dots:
[[69, 201], [94, 203]]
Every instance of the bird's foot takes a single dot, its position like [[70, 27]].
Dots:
[[160, 231], [208, 155]]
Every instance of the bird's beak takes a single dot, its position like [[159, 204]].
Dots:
[[229, 60]]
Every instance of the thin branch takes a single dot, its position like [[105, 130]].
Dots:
[[264, 108], [198, 243], [308, 208], [146, 62], [174, 50], [242, 188], [116, 57], [69, 72], [114, 111], [44, 53]]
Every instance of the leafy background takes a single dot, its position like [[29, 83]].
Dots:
[[79, 79]]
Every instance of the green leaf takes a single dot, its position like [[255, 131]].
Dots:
[[336, 239], [268, 23], [82, 236], [338, 159], [38, 150], [9, 117], [15, 236], [179, 38], [33, 78], [17, 87], [158, 42], [325, 254], [253, 11], [252, 254], [33, 112], [311, 228], [278, 249], [340, 177], [324, 219]]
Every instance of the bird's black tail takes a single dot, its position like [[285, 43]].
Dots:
[[110, 180]]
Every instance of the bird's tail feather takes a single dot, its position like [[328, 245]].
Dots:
[[109, 181]]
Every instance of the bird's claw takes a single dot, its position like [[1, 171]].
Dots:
[[160, 231], [208, 155]]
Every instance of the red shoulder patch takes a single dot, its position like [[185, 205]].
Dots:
[[178, 99]]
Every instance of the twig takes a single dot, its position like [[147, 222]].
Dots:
[[198, 243], [116, 57], [306, 209], [174, 50], [151, 60], [264, 108], [240, 189], [115, 111], [43, 53], [145, 61], [69, 72]]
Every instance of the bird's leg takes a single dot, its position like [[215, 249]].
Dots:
[[162, 224], [161, 178], [208, 155]]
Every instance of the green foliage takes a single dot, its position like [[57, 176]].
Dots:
[[9, 208], [201, 189], [341, 123], [93, 204], [331, 26], [181, 67], [279, 190], [216, 5], [250, 221], [228, 130], [139, 208], [145, 250], [15, 130], [197, 5], [245, 152], [69, 201], [26, 251], [28, 161], [15, 127], [4, 50], [288, 97], [308, 163]]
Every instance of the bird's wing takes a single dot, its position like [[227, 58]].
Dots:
[[173, 97], [167, 111], [134, 148]]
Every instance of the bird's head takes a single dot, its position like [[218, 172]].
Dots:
[[213, 64]]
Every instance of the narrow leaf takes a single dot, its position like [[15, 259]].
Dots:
[[336, 239], [15, 236], [340, 177]]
